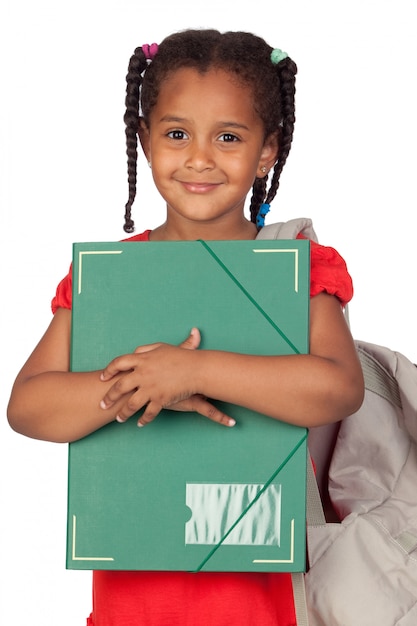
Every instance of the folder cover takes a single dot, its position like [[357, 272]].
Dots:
[[185, 493]]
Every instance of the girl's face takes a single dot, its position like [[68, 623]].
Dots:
[[206, 145]]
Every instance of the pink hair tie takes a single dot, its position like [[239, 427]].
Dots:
[[150, 50]]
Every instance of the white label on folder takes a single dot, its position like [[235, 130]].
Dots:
[[243, 512]]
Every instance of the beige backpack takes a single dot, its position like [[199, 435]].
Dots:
[[362, 502]]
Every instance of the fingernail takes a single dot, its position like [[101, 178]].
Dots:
[[103, 405], [119, 419], [232, 422], [140, 425]]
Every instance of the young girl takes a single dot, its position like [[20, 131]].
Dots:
[[214, 114]]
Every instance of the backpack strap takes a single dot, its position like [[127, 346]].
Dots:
[[315, 511], [300, 602], [315, 517], [315, 514], [289, 230], [378, 379]]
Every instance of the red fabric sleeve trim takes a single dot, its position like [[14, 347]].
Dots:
[[63, 295], [329, 273]]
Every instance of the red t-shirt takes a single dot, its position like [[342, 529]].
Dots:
[[205, 598]]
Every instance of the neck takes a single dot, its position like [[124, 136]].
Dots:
[[192, 231]]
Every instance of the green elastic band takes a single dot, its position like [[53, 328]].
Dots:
[[248, 295], [261, 492]]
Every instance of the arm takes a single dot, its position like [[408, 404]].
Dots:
[[324, 386], [47, 401], [51, 403], [308, 390]]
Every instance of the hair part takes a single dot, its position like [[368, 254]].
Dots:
[[244, 55]]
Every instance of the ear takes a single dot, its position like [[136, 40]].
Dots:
[[269, 155], [143, 132]]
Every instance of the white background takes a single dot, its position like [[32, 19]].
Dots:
[[352, 169]]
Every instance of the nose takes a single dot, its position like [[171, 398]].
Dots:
[[200, 155]]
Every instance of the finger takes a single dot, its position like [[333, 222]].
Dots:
[[123, 386], [152, 410], [202, 406], [116, 366], [193, 340], [147, 348], [133, 404]]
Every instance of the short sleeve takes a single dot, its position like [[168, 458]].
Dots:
[[328, 273], [63, 295]]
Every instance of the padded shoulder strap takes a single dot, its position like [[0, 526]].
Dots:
[[289, 230]]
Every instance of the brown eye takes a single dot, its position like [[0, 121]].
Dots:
[[228, 137], [177, 134]]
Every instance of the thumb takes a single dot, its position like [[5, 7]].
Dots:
[[193, 340]]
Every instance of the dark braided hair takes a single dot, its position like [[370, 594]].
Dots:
[[246, 56]]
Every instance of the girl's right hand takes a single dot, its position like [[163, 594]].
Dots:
[[157, 376]]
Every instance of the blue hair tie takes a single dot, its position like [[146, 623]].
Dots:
[[263, 210]]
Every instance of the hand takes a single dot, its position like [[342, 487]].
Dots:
[[158, 376]]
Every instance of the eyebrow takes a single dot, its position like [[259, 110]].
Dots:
[[182, 120]]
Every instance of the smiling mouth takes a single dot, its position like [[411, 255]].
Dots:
[[202, 188]]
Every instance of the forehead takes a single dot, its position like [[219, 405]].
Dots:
[[216, 91]]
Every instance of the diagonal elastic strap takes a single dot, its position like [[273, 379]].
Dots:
[[248, 295], [261, 492]]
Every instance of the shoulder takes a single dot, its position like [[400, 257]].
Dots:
[[328, 270], [329, 273], [63, 295]]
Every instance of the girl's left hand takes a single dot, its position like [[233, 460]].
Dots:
[[158, 376]]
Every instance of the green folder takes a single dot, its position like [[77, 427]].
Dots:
[[185, 493]]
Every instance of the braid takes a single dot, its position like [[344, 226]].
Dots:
[[286, 70], [137, 65], [258, 196]]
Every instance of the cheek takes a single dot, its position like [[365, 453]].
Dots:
[[244, 171], [163, 161], [160, 166]]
